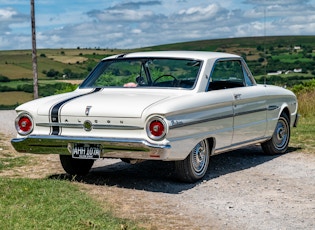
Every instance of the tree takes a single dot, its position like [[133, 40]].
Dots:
[[52, 73], [260, 48]]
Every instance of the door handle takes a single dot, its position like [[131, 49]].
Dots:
[[237, 96]]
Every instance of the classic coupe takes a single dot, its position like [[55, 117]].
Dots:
[[181, 106]]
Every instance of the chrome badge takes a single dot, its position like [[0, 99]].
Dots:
[[87, 125], [87, 110]]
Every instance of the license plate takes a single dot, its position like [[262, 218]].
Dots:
[[86, 151]]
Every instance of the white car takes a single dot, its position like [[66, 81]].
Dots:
[[181, 106]]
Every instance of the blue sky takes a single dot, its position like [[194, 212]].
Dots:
[[140, 23]]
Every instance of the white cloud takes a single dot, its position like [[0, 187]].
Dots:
[[6, 14], [131, 24]]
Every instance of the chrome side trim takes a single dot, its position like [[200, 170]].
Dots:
[[200, 121], [95, 126], [55, 124], [273, 107], [250, 111], [216, 118]]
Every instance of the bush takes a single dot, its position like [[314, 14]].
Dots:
[[52, 73], [305, 87], [4, 79], [6, 107], [51, 89], [26, 88], [6, 89], [66, 88]]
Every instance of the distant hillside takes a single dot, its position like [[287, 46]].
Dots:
[[290, 60], [238, 43], [76, 63]]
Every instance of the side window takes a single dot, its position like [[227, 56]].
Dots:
[[227, 74], [248, 79]]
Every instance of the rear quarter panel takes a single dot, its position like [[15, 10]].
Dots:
[[192, 118], [277, 100]]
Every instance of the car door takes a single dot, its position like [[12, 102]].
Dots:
[[250, 114], [249, 100], [250, 107]]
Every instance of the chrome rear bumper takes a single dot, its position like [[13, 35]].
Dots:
[[111, 147]]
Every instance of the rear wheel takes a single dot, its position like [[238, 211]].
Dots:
[[279, 142], [195, 166], [75, 166]]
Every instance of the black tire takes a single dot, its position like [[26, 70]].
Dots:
[[279, 142], [195, 166], [74, 166]]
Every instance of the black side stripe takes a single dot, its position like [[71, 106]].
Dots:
[[54, 112]]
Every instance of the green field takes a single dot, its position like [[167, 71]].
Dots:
[[14, 98], [291, 58]]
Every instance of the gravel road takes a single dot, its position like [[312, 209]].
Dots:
[[7, 122], [243, 189]]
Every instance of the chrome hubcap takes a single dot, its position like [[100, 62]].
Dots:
[[281, 134], [199, 157]]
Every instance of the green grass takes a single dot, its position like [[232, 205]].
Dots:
[[52, 204], [11, 162]]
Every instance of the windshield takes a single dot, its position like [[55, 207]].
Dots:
[[144, 72]]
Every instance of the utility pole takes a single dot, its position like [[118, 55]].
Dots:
[[34, 55]]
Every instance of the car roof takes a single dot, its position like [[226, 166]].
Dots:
[[200, 55]]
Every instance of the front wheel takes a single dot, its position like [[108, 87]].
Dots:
[[279, 142], [75, 166], [195, 166]]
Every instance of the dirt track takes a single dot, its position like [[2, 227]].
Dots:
[[242, 190]]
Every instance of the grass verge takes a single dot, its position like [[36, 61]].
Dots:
[[11, 162], [48, 203], [302, 137], [52, 204]]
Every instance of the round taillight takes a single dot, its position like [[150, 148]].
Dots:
[[156, 128], [24, 124]]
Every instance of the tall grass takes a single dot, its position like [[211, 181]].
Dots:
[[306, 97], [303, 136], [307, 103]]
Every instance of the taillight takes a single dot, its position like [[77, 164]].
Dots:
[[156, 128], [24, 124]]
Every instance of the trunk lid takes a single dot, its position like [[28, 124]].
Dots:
[[111, 103]]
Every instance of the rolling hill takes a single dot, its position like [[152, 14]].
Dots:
[[58, 67]]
